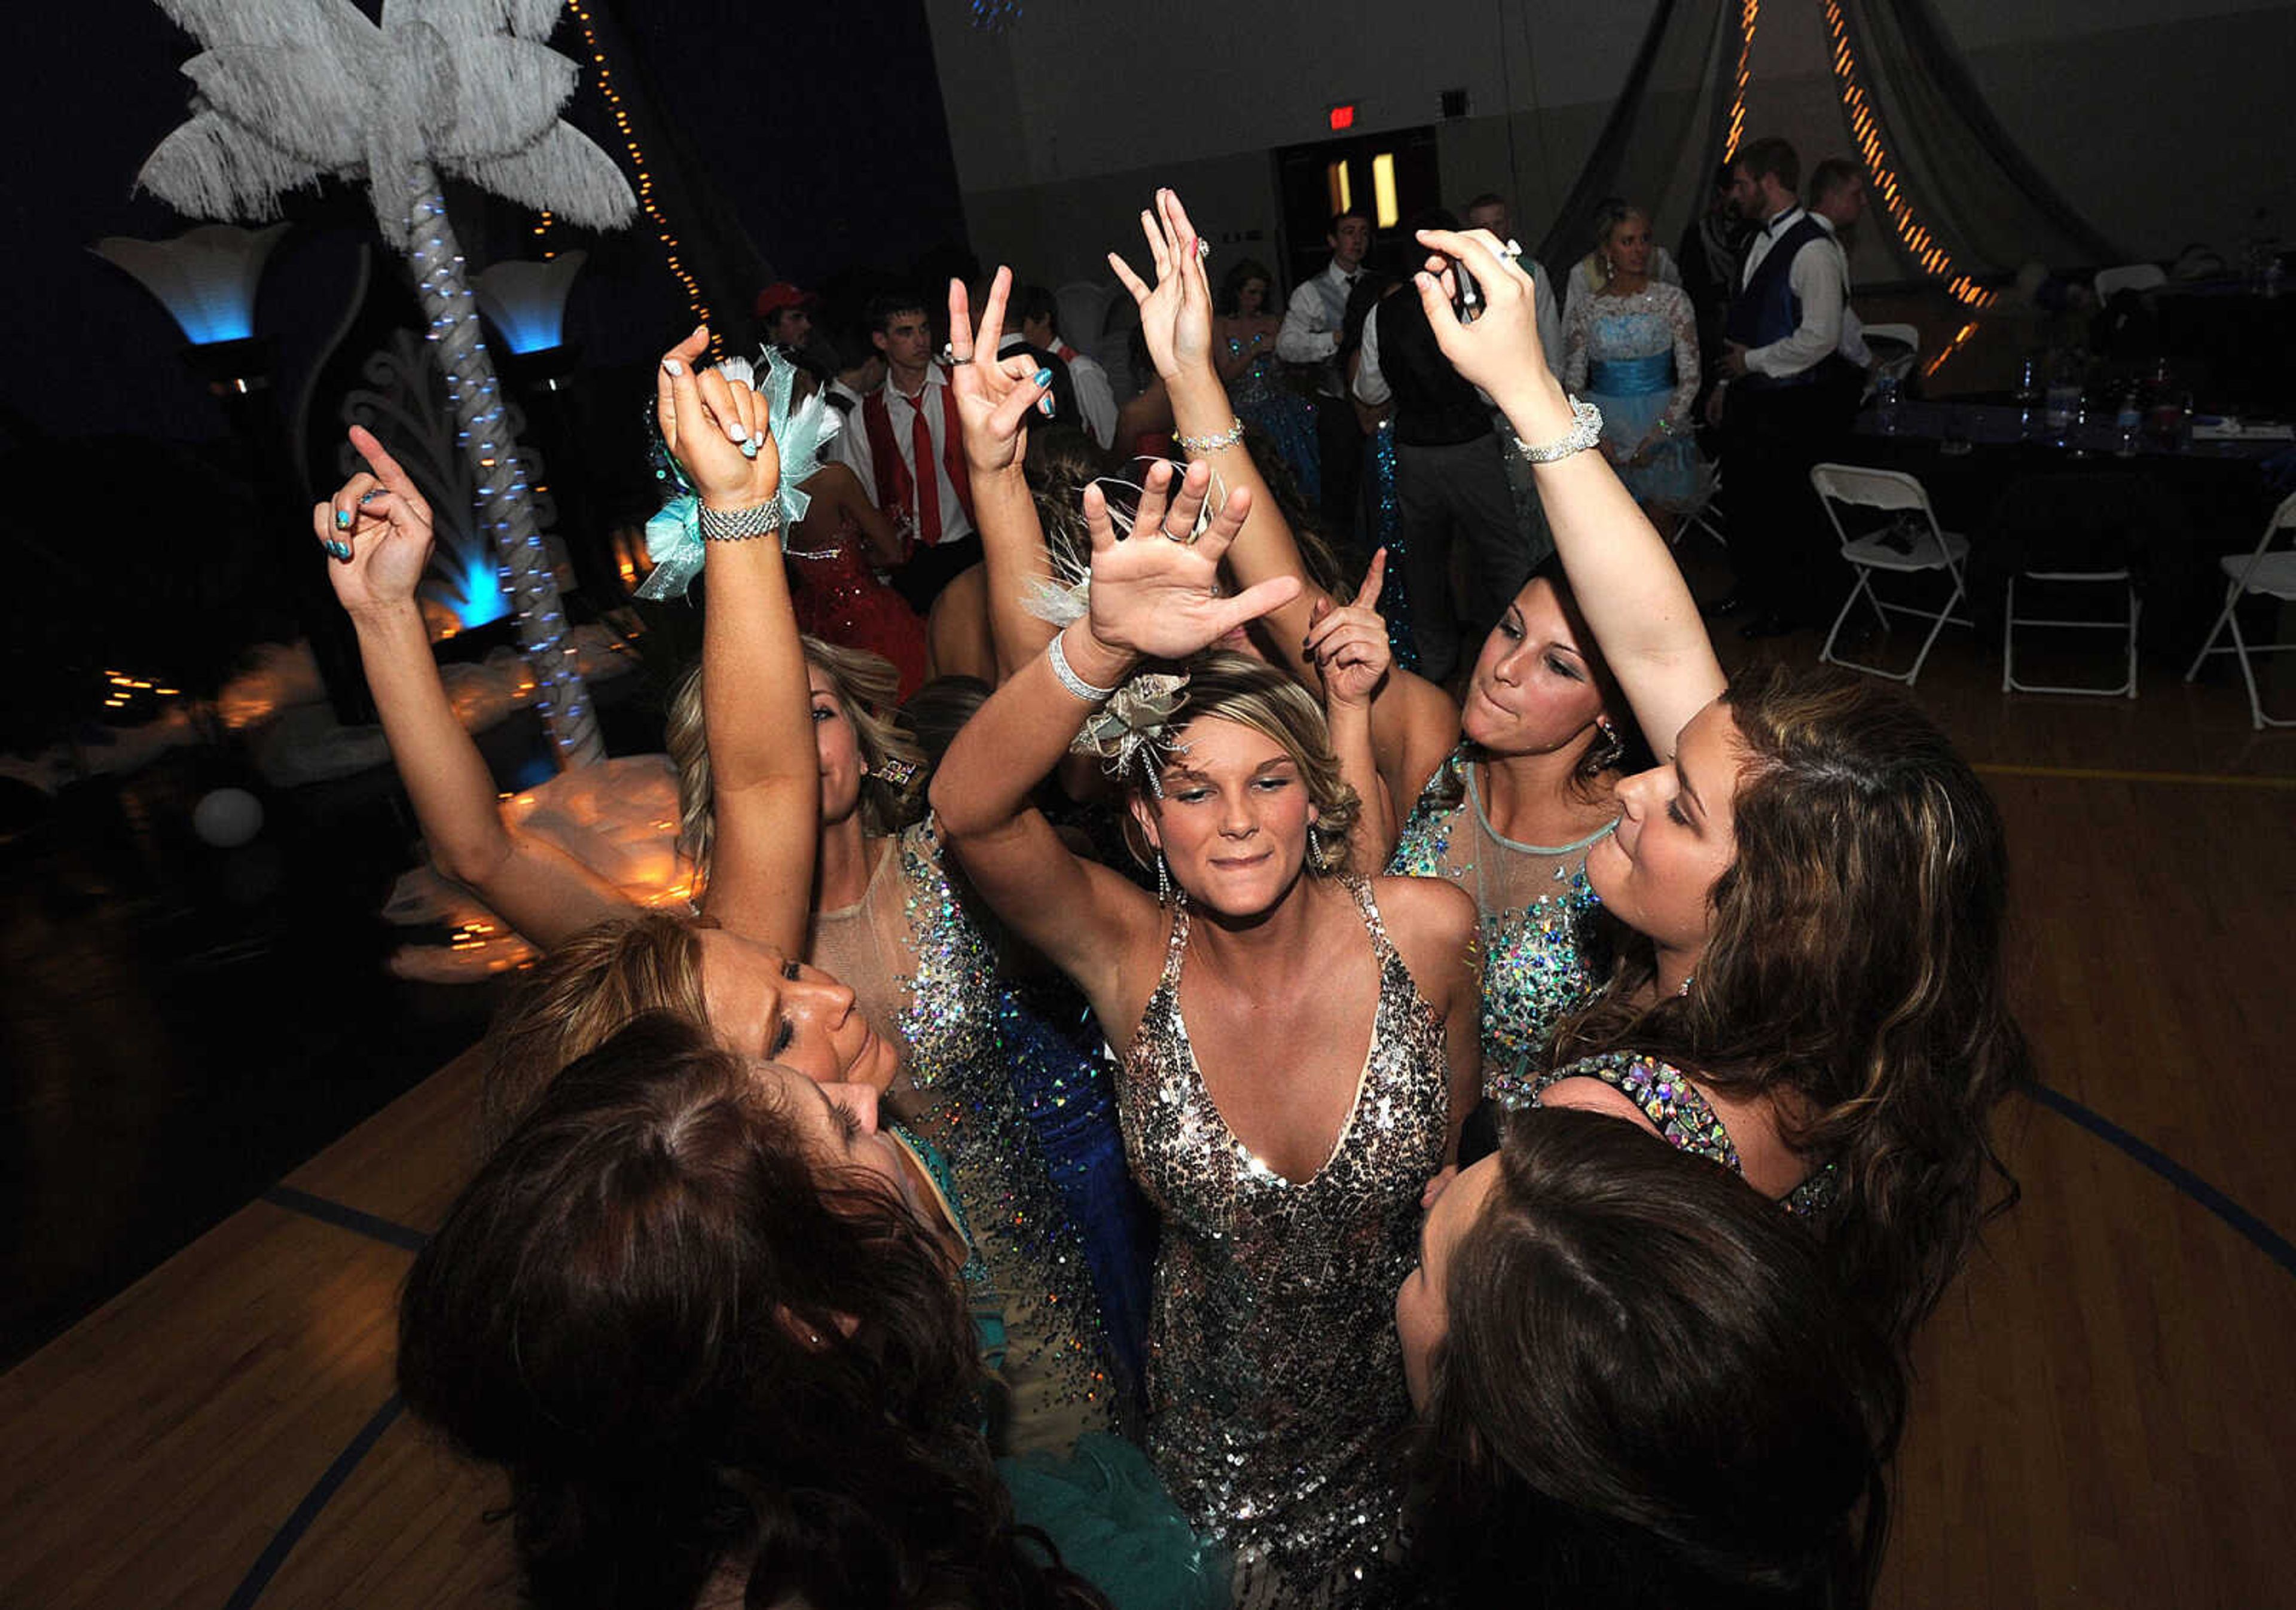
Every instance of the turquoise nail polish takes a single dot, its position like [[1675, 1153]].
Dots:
[[342, 520], [1044, 377]]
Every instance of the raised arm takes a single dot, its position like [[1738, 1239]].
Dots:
[[993, 398], [377, 529], [1153, 597], [1633, 595], [1414, 725], [1350, 649], [763, 773]]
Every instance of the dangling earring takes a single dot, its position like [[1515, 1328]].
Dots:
[[899, 774], [1163, 879], [1318, 856], [1612, 748]]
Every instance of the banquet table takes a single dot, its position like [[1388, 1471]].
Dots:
[[2025, 502]]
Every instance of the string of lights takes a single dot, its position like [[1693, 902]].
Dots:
[[542, 235], [645, 188], [1882, 178], [1750, 13], [1944, 352], [504, 508]]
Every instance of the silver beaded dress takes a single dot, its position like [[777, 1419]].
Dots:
[[1275, 1375], [1535, 903]]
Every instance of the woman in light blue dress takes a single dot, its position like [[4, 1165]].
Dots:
[[1631, 347]]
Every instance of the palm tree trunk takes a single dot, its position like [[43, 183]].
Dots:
[[506, 513]]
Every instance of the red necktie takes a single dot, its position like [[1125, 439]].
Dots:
[[928, 472]]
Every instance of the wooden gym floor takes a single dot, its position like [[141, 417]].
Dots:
[[2106, 1408]]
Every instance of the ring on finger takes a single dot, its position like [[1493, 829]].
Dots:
[[1186, 539], [1203, 248]]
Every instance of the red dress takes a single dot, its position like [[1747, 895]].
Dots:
[[838, 598]]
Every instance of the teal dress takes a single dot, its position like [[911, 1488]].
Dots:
[[1101, 1504]]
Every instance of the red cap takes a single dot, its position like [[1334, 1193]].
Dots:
[[782, 294]]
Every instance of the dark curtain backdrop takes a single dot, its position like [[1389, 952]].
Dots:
[[1968, 182]]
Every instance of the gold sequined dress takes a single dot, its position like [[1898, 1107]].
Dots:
[[1274, 1377]]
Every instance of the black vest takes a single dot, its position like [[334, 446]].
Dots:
[[1433, 407], [1765, 309]]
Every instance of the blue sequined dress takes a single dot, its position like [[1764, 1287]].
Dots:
[[1026, 1118], [1262, 401], [1536, 904]]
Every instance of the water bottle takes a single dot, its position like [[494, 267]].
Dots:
[[2126, 423], [1885, 402], [2028, 396]]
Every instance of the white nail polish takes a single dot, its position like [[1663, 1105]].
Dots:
[[670, 366]]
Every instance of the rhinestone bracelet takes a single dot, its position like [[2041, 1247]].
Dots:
[[1228, 437], [741, 525], [1070, 679], [1586, 430]]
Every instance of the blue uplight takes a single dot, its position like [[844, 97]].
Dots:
[[527, 301]]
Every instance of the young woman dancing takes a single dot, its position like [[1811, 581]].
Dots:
[[1504, 796], [1816, 884], [793, 869], [1298, 1045]]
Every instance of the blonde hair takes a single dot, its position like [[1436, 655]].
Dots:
[[578, 997], [867, 688], [1224, 686]]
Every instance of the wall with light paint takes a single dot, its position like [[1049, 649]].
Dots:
[[2162, 120]]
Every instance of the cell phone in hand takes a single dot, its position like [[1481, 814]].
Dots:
[[1467, 296]]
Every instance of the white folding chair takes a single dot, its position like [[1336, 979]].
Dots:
[[2130, 276], [1707, 514], [2266, 573], [1930, 548], [2111, 578]]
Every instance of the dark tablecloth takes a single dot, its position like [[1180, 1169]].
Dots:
[[2026, 505]]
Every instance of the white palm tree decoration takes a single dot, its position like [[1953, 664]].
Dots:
[[288, 92]]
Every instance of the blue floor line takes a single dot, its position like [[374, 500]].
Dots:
[[2268, 1241], [330, 1212], [283, 1542]]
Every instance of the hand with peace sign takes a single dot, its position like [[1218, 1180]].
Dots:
[[1176, 317], [994, 395]]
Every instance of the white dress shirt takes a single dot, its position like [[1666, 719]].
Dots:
[[1852, 348], [1820, 282], [851, 447], [1312, 322]]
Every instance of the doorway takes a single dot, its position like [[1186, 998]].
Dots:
[[1389, 175]]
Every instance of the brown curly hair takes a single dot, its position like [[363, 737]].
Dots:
[[1855, 959]]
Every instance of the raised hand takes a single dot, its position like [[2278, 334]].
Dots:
[[993, 395], [1499, 351], [1349, 645], [707, 420], [1176, 317], [1157, 593], [377, 529]]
